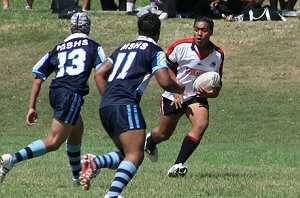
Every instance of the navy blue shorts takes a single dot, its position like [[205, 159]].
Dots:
[[66, 105], [167, 109], [120, 118]]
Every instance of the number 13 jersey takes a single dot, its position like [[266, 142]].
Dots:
[[72, 62]]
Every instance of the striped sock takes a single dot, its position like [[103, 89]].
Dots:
[[73, 152], [124, 174], [110, 160], [35, 149]]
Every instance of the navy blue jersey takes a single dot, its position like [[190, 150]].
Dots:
[[133, 65], [72, 62]]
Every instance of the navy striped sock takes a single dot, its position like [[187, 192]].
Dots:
[[35, 149], [73, 152], [110, 160], [124, 174]]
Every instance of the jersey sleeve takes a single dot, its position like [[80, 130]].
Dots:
[[159, 61], [221, 52], [100, 57], [43, 68], [175, 51]]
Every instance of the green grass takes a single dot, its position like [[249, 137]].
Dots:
[[251, 148]]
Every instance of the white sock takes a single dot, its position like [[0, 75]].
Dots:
[[129, 6]]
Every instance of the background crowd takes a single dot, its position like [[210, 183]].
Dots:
[[228, 9]]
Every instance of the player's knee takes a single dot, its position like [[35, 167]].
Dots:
[[52, 145], [202, 126], [164, 137], [135, 158]]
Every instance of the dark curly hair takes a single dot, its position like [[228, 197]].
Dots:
[[206, 19], [148, 24]]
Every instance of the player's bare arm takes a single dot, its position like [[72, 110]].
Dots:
[[35, 90], [101, 75], [167, 82]]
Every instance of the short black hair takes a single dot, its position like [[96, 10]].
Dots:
[[148, 24], [205, 19]]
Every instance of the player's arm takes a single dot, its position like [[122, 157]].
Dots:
[[166, 81], [35, 90], [101, 75]]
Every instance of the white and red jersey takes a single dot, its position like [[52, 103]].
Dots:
[[189, 64]]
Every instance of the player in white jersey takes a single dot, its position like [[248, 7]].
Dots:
[[188, 58]]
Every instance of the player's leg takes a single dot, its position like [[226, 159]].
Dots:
[[134, 155], [92, 164], [73, 148], [167, 126], [198, 114], [57, 135], [168, 121]]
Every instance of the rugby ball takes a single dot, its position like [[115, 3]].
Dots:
[[207, 80]]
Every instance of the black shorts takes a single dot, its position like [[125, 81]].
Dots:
[[167, 109], [119, 118], [66, 105]]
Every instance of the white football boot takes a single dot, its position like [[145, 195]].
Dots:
[[152, 155], [6, 165], [177, 170]]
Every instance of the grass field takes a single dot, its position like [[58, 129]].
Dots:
[[251, 148]]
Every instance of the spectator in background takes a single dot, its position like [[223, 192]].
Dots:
[[186, 8], [153, 5], [130, 6], [106, 5], [5, 4], [193, 8], [233, 9], [284, 5], [124, 5]]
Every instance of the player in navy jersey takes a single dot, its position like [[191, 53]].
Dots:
[[122, 80], [72, 61], [188, 58]]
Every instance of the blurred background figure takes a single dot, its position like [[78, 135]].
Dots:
[[5, 4], [284, 4], [106, 5]]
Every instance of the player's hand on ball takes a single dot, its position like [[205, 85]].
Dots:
[[204, 93], [31, 117]]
